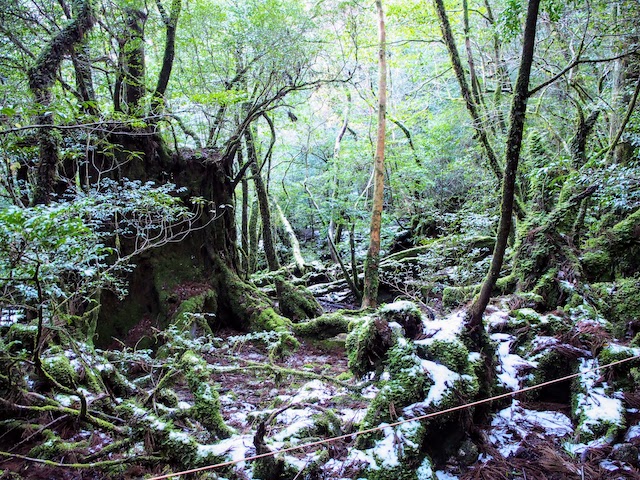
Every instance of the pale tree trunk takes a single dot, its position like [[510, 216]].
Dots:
[[295, 244], [512, 157], [370, 293], [332, 232]]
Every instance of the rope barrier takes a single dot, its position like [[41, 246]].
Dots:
[[395, 424]]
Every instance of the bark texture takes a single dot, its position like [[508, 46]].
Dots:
[[41, 78], [370, 293]]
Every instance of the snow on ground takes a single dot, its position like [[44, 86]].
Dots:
[[515, 423], [448, 328], [509, 363]]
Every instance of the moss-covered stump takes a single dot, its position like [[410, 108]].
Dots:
[[296, 303]]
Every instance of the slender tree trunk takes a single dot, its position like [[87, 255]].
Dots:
[[244, 222], [41, 78], [295, 244], [171, 24], [336, 182], [134, 59], [467, 95], [371, 281], [254, 237], [263, 203], [475, 84], [512, 157]]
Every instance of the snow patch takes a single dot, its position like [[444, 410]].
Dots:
[[513, 424]]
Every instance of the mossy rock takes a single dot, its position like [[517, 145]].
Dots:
[[407, 384], [398, 454], [623, 376], [367, 345], [22, 336], [598, 415], [451, 353], [58, 366], [323, 327], [406, 314]]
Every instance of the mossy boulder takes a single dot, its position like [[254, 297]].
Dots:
[[597, 413], [325, 326], [58, 366], [398, 454], [624, 376], [407, 383], [21, 336], [451, 353]]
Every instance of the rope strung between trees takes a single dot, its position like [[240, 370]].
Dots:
[[395, 424]]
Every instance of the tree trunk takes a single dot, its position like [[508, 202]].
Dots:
[[134, 59], [263, 203], [171, 24], [512, 157], [370, 293], [41, 79]]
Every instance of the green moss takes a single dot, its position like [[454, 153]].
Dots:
[[191, 311], [455, 296], [325, 326], [296, 303], [206, 407], [407, 384], [452, 354], [367, 344], [553, 325], [55, 447], [619, 302], [60, 369], [506, 285], [24, 334], [410, 462], [621, 377]]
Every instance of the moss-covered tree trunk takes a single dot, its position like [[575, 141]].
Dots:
[[263, 203], [42, 76]]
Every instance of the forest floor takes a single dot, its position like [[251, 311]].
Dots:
[[310, 396]]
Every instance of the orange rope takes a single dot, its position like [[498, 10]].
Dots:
[[369, 430]]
